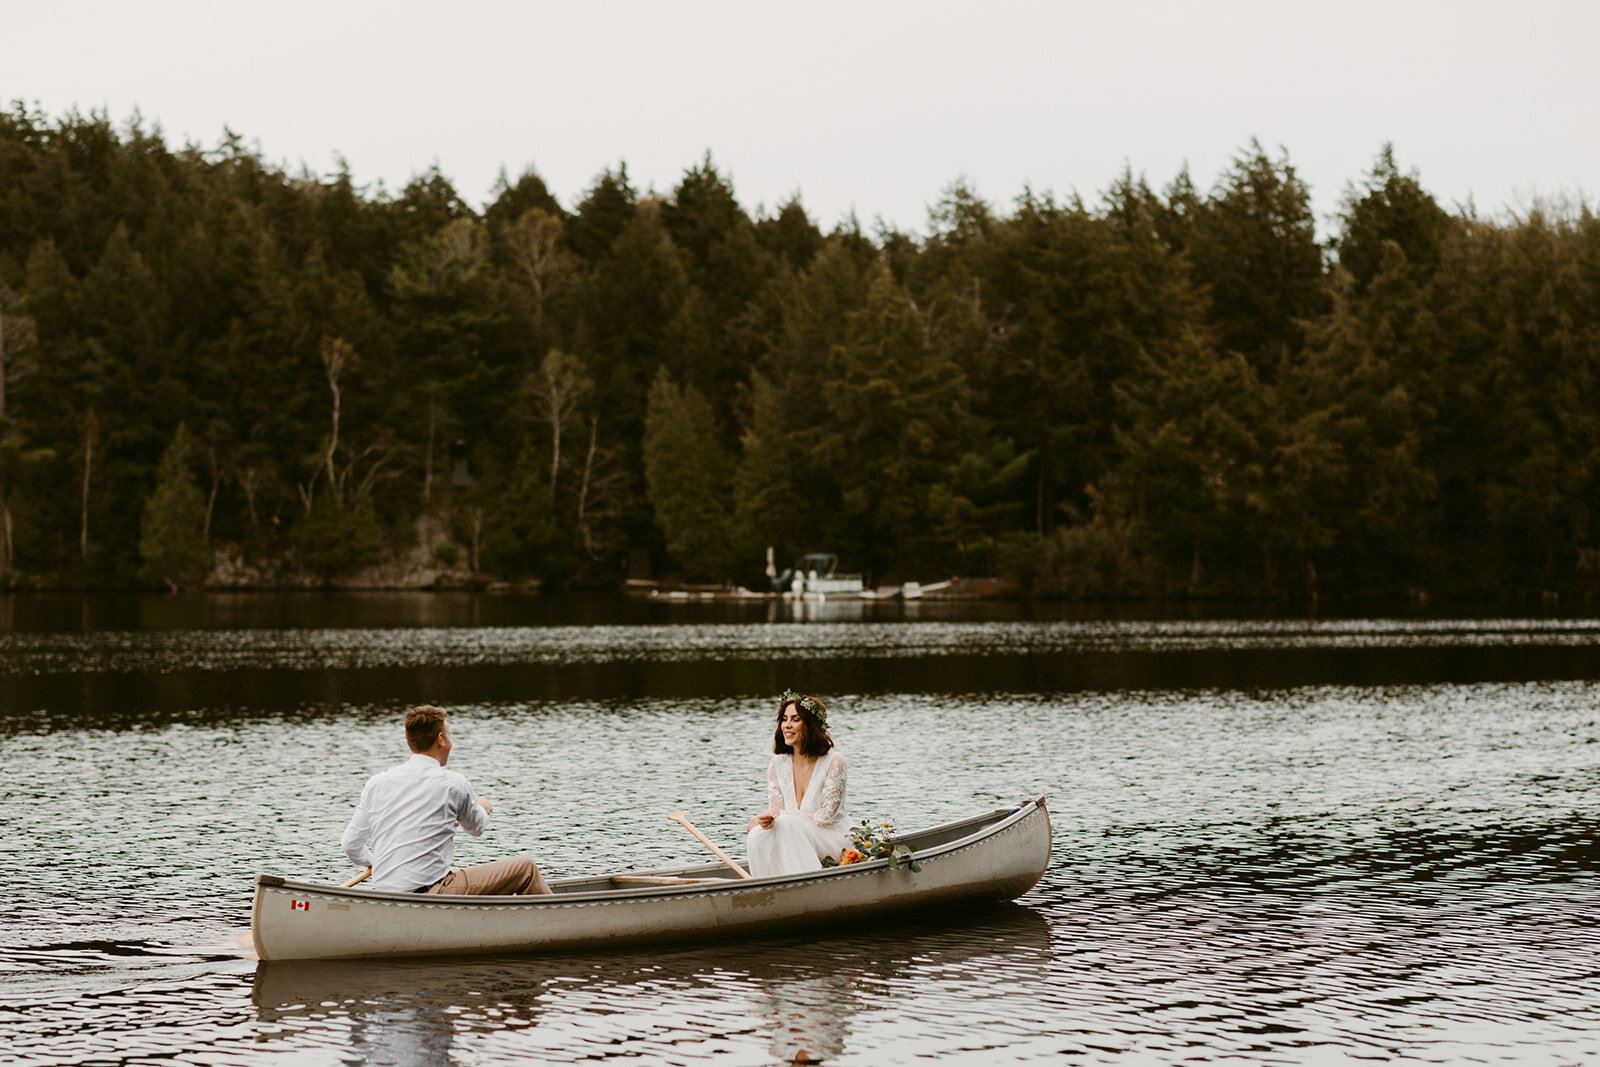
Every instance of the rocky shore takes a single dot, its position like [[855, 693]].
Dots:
[[419, 567]]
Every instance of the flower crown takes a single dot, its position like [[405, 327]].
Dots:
[[810, 704]]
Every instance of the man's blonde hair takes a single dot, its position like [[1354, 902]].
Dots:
[[423, 726]]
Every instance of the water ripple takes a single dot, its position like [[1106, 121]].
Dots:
[[349, 648], [1409, 874]]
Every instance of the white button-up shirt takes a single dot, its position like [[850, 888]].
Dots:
[[404, 826]]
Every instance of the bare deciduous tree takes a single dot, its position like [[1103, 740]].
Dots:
[[91, 431], [16, 338], [447, 258], [534, 243], [250, 482], [557, 388], [337, 354], [601, 492], [475, 514]]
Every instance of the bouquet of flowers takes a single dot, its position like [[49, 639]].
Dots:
[[873, 841]]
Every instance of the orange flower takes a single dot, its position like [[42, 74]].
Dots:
[[850, 855]]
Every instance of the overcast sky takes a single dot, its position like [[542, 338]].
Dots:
[[871, 107]]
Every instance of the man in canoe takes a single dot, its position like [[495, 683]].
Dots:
[[404, 827]]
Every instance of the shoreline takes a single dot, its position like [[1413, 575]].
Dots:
[[689, 596]]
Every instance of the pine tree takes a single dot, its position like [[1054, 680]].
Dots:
[[171, 543], [688, 472]]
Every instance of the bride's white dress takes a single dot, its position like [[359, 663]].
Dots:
[[803, 831]]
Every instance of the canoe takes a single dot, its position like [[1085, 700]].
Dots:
[[995, 856]]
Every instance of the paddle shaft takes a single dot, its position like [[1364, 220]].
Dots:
[[679, 817]]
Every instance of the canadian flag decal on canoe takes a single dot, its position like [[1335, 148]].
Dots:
[[299, 905]]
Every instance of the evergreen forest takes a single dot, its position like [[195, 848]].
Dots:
[[1171, 391]]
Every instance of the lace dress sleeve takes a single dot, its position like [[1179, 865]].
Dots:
[[830, 805], [774, 791]]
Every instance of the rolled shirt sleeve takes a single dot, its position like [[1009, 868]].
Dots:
[[470, 814]]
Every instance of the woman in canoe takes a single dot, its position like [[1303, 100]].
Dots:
[[805, 819]]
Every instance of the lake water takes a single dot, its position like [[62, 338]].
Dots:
[[1278, 839]]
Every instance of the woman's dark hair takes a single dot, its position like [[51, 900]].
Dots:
[[814, 737]]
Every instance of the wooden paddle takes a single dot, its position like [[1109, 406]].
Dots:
[[679, 817], [357, 880]]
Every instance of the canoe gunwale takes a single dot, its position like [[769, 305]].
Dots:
[[992, 825]]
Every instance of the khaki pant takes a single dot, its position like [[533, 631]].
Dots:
[[516, 874]]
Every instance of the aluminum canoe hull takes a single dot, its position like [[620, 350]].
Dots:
[[997, 856]]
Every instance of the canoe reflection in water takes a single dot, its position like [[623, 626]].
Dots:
[[790, 999]]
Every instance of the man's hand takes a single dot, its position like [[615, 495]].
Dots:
[[488, 808]]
